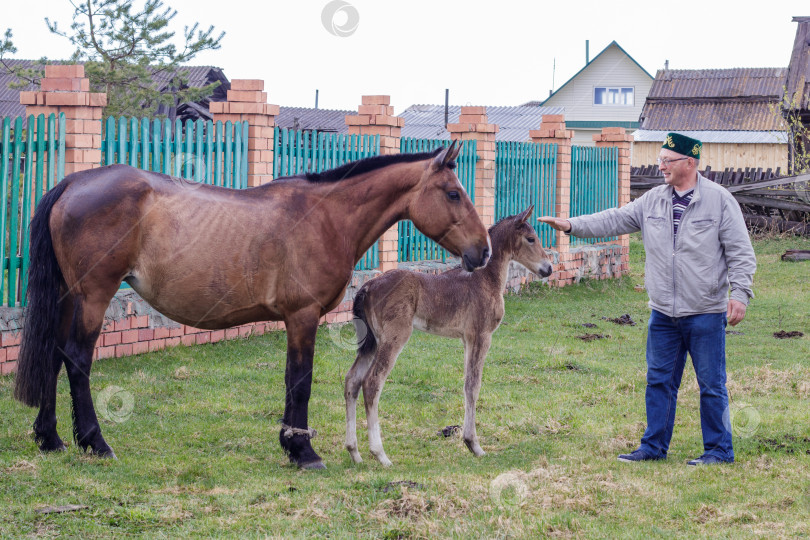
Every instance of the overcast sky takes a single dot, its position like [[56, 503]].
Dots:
[[501, 52]]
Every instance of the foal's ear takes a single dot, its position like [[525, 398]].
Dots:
[[524, 216]]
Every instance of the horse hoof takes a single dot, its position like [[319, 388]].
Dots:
[[312, 465], [106, 454], [48, 450]]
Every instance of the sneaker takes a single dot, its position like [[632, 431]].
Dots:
[[638, 455], [707, 459]]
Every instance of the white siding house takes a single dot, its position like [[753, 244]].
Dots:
[[608, 92]]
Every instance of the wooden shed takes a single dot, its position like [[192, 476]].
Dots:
[[735, 112]]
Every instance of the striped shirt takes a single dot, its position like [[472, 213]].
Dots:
[[679, 204]]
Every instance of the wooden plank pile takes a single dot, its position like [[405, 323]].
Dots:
[[769, 201]]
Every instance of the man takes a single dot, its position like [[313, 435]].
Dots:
[[696, 246]]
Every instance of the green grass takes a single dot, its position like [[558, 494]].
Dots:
[[199, 454]]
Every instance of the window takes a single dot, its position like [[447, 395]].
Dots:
[[613, 95]]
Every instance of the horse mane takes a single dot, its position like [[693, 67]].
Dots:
[[367, 165], [497, 231], [499, 222]]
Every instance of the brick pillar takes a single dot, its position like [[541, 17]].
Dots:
[[248, 103], [618, 137], [376, 117], [473, 125], [552, 130], [65, 89]]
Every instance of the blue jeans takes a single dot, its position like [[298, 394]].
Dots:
[[669, 339]]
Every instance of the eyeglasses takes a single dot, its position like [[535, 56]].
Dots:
[[667, 161]]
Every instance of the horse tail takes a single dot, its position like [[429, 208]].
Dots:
[[366, 341], [42, 313]]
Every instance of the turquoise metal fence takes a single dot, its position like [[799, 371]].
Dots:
[[594, 184], [526, 174], [299, 152], [413, 245], [199, 151], [32, 161]]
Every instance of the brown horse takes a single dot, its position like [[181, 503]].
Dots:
[[213, 257], [453, 304]]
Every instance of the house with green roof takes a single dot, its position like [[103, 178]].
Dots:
[[609, 91]]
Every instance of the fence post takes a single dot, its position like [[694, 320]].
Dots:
[[247, 102], [376, 117], [552, 130], [618, 137], [65, 89], [473, 125]]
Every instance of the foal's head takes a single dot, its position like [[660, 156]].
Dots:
[[443, 211], [516, 236]]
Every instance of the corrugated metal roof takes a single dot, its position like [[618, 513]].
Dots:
[[737, 99], [729, 115], [304, 118], [718, 83], [515, 122], [10, 98], [738, 137]]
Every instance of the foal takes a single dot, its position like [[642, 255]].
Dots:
[[456, 304]]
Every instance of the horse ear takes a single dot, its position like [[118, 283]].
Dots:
[[450, 154], [446, 156], [441, 158], [455, 150], [524, 216]]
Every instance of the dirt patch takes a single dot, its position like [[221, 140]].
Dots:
[[625, 320], [448, 431], [787, 444], [591, 337], [781, 334], [733, 333], [589, 325]]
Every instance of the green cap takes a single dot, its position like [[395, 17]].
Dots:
[[686, 146]]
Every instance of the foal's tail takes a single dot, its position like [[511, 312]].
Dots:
[[42, 313], [366, 341]]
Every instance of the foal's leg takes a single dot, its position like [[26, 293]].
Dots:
[[391, 341], [354, 381], [302, 328], [88, 317], [475, 352], [45, 425]]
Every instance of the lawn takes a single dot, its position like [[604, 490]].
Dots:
[[196, 433]]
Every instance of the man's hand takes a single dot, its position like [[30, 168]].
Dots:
[[560, 224], [736, 312]]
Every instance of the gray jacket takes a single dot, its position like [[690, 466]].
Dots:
[[711, 251]]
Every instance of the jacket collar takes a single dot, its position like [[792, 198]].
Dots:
[[696, 195]]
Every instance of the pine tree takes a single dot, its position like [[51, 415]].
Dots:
[[130, 53]]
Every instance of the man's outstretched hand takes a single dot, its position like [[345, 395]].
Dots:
[[560, 224]]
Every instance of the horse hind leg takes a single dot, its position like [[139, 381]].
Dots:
[[354, 382], [391, 344], [88, 317], [45, 432]]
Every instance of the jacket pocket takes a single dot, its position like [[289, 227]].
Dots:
[[701, 225]]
